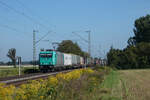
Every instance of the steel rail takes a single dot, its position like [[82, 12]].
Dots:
[[31, 77]]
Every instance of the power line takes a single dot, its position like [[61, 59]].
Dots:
[[11, 28], [83, 45], [87, 41], [22, 5], [23, 14], [42, 37], [27, 9], [80, 37]]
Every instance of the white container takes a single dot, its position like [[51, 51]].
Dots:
[[67, 59], [74, 59], [81, 61]]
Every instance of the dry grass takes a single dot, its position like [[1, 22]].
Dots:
[[136, 84], [127, 85]]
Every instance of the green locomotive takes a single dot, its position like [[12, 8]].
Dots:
[[49, 59]]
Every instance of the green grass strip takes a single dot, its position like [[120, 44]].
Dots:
[[111, 87]]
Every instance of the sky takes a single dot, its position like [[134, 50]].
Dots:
[[111, 23]]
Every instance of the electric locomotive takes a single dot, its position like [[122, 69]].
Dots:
[[49, 59]]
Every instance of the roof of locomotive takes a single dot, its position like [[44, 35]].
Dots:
[[51, 51], [48, 51]]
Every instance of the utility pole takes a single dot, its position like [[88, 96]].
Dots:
[[99, 51], [34, 48], [19, 63], [35, 43], [89, 42]]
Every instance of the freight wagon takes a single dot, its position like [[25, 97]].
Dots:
[[50, 59]]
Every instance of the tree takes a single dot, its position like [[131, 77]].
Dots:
[[113, 57], [12, 55], [131, 41], [132, 57], [141, 30], [67, 46], [85, 54], [137, 53]]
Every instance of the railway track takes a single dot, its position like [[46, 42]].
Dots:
[[25, 78]]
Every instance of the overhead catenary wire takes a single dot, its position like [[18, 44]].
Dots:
[[31, 12], [81, 41], [13, 29], [20, 13], [42, 37], [87, 41], [80, 37], [10, 28], [23, 14], [23, 6]]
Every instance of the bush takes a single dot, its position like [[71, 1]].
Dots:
[[132, 57]]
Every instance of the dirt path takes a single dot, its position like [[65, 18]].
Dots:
[[137, 84]]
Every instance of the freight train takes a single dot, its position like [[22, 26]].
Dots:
[[51, 60]]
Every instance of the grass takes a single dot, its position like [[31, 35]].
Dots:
[[127, 85], [137, 84], [11, 71], [111, 87]]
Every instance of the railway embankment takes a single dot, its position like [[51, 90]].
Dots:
[[81, 84]]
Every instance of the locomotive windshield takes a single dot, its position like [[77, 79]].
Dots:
[[45, 55]]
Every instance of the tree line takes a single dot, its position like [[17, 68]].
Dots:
[[137, 53]]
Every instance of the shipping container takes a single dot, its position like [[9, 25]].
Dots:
[[74, 59], [67, 59], [59, 59], [81, 61], [78, 59]]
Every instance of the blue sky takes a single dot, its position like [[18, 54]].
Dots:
[[111, 23]]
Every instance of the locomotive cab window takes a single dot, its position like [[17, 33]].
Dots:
[[46, 55]]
